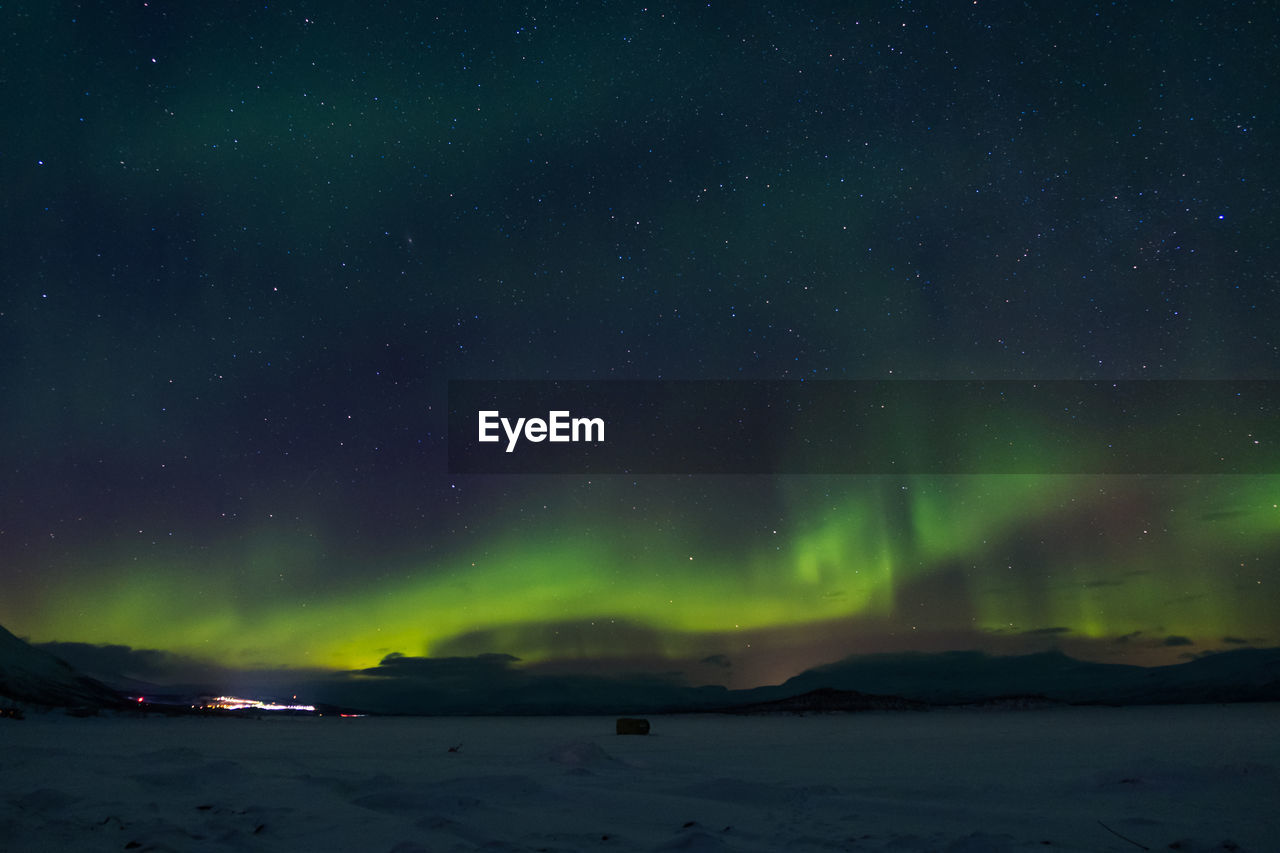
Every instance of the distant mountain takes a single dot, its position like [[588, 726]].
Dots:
[[1240, 675], [884, 682], [32, 676], [826, 700], [887, 682]]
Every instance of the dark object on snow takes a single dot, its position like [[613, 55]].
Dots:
[[632, 726], [11, 713]]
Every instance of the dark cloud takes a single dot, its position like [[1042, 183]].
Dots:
[[1055, 630], [118, 664], [486, 671], [490, 684], [581, 638], [1175, 640], [1124, 638], [1235, 641], [721, 661], [397, 665], [160, 672]]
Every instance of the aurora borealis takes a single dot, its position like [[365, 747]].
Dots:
[[244, 252]]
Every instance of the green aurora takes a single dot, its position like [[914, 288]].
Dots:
[[892, 560], [247, 248]]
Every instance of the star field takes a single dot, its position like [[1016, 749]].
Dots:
[[246, 249]]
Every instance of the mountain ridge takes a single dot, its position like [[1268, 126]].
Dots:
[[31, 675], [886, 681]]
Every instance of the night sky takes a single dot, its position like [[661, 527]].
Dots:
[[245, 249]]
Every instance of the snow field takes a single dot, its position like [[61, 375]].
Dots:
[[1097, 779]]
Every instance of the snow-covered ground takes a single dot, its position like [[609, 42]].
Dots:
[[1203, 777]]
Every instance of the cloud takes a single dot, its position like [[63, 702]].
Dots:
[[397, 665], [161, 673], [721, 661], [567, 639], [469, 673], [1175, 640], [116, 663], [1236, 641], [491, 684], [1056, 630], [1124, 638]]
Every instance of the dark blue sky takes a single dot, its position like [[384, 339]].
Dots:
[[245, 250]]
